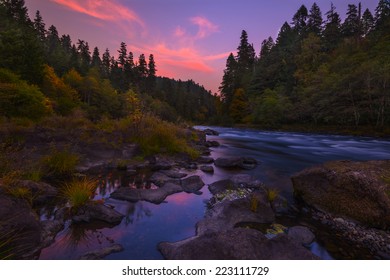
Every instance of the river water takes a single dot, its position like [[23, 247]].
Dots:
[[280, 154]]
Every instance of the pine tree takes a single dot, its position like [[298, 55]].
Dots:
[[266, 47], [85, 56], [332, 31], [106, 62], [142, 67], [299, 20], [39, 26], [96, 61], [368, 22], [17, 10], [382, 14], [314, 22], [122, 57], [151, 67], [351, 25], [228, 81]]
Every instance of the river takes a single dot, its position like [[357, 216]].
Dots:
[[280, 154]]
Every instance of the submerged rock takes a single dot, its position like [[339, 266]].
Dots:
[[235, 244], [301, 234], [359, 190]]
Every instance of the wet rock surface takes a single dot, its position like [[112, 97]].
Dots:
[[359, 190], [100, 254], [97, 212], [235, 244], [236, 162]]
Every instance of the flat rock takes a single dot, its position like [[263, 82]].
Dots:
[[235, 244], [209, 131], [174, 174], [95, 211], [301, 234], [212, 144], [101, 253], [246, 163], [152, 195], [160, 178], [192, 184], [235, 182], [41, 192], [358, 190]]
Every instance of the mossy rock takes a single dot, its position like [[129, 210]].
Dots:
[[357, 190]]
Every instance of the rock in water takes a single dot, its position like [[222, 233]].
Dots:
[[235, 244], [192, 184], [359, 190]]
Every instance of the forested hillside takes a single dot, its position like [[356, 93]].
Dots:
[[318, 71], [43, 72]]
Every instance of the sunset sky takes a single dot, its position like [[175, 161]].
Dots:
[[190, 39]]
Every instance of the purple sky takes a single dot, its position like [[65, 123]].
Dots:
[[190, 39]]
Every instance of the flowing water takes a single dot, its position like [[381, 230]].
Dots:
[[280, 154]]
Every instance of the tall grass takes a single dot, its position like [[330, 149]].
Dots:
[[79, 191]]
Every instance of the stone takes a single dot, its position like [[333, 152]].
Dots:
[[174, 174], [93, 211], [192, 184], [20, 225], [228, 214], [160, 178], [220, 186], [205, 160], [301, 234], [156, 196], [207, 168], [357, 190], [101, 253], [50, 229], [40, 192], [235, 244], [236, 162], [209, 131], [212, 144]]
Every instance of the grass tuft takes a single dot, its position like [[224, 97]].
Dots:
[[60, 163], [79, 191]]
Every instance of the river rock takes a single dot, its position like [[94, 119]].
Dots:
[[359, 190], [20, 229], [236, 162], [192, 184], [174, 174], [40, 192], [95, 211], [160, 178], [101, 253], [152, 195], [207, 168], [205, 160], [301, 234], [227, 214], [235, 244], [212, 144], [50, 229], [235, 182], [209, 131]]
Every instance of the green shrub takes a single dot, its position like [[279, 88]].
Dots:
[[79, 191]]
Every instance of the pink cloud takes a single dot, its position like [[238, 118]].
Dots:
[[102, 9], [205, 26]]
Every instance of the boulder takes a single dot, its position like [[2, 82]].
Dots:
[[174, 174], [246, 163], [40, 192], [160, 178], [235, 244], [97, 212], [207, 168], [358, 190], [20, 229], [192, 184], [301, 234], [235, 182], [212, 144]]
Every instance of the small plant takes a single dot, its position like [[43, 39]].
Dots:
[[272, 194], [79, 191], [60, 163]]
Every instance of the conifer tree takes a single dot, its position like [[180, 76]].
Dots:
[[314, 21], [39, 26], [96, 61]]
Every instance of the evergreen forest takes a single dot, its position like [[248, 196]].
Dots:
[[319, 71]]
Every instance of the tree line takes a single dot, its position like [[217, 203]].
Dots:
[[318, 71], [43, 72]]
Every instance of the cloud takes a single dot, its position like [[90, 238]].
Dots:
[[105, 10], [205, 27]]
